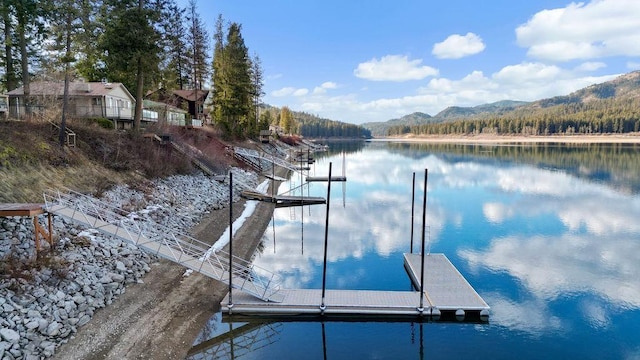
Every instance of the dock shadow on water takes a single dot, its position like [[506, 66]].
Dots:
[[234, 337]]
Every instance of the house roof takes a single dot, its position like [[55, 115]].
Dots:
[[190, 95], [48, 88]]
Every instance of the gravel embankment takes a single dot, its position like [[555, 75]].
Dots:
[[44, 302]]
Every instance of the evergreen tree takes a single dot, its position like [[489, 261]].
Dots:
[[175, 74], [198, 41], [257, 80], [132, 42], [232, 83]]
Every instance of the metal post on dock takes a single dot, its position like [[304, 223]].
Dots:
[[326, 234], [413, 205], [230, 305], [424, 219]]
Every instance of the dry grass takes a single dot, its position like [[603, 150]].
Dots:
[[31, 161]]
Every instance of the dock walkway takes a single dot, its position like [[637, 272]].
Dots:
[[446, 292], [445, 288]]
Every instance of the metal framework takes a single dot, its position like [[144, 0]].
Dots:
[[164, 242]]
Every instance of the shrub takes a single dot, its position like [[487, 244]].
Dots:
[[102, 122]]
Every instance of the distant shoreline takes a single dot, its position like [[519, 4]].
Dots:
[[630, 138]]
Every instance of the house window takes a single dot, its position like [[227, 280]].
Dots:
[[110, 102], [96, 101]]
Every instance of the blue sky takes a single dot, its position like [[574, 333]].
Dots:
[[361, 61]]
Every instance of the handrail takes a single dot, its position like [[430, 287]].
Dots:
[[178, 247]]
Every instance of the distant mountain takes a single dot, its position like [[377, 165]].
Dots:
[[450, 113], [380, 128], [624, 87]]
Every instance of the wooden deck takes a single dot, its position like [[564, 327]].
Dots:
[[446, 294], [31, 210], [12, 209]]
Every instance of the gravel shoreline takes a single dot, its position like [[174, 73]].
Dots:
[[44, 306]]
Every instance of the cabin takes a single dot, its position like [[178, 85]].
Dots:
[[86, 100], [184, 99], [168, 114]]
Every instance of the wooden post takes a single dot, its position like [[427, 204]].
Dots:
[[37, 233]]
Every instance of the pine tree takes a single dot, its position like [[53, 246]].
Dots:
[[198, 40], [232, 85], [257, 80], [175, 72], [132, 42]]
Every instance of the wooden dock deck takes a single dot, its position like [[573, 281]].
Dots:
[[446, 294]]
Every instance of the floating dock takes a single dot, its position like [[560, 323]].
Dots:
[[445, 288], [326, 178], [446, 294], [282, 200], [337, 302]]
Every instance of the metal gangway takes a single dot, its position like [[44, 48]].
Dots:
[[165, 242], [253, 154]]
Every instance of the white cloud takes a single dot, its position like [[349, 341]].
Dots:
[[458, 46], [590, 66], [300, 92], [394, 68], [527, 72], [527, 81], [324, 87], [633, 65], [289, 91], [597, 29]]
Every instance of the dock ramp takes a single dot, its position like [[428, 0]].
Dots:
[[165, 242]]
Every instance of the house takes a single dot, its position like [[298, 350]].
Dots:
[[167, 114], [86, 100], [184, 99]]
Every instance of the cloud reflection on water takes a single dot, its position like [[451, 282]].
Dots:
[[594, 249]]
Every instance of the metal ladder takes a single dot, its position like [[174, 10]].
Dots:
[[164, 242]]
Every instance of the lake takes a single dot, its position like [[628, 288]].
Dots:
[[548, 235]]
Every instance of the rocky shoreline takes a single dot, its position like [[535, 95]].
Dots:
[[43, 305]]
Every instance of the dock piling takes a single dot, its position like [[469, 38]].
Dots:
[[326, 234]]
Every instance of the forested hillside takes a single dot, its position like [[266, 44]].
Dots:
[[311, 126], [611, 107]]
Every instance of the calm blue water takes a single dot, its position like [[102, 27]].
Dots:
[[548, 235]]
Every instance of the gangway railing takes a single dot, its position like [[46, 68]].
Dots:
[[194, 159], [165, 242], [248, 153]]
